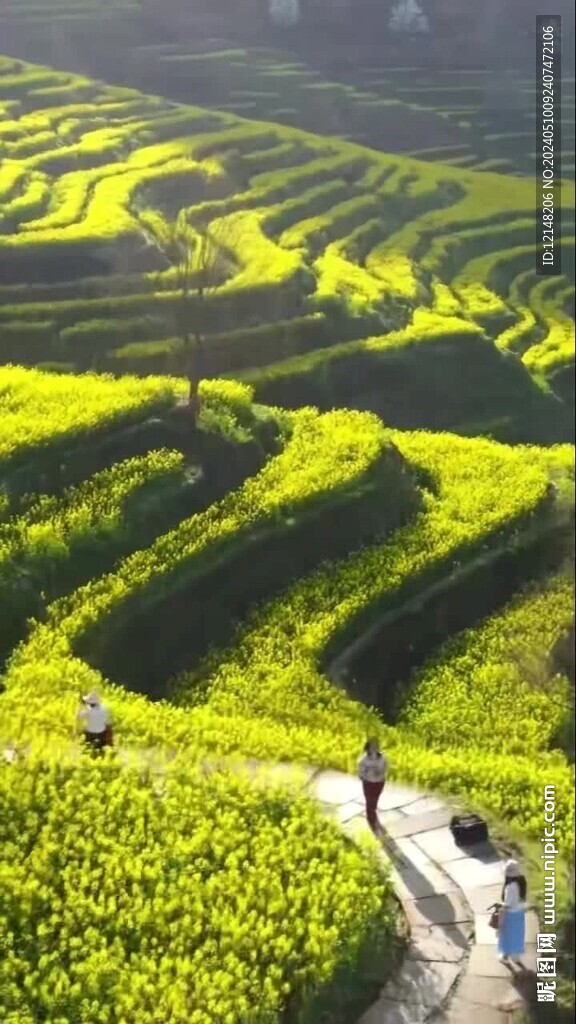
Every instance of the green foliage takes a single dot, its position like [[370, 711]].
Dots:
[[191, 897], [26, 343], [39, 410], [99, 335], [60, 541], [300, 222], [324, 455], [490, 688], [319, 241], [266, 697], [231, 350]]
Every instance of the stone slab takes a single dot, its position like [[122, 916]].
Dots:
[[425, 804], [423, 983], [484, 935], [411, 855], [414, 862], [343, 813], [356, 828], [442, 910], [481, 853], [415, 885], [331, 787], [395, 796], [462, 935], [412, 824], [387, 1011], [437, 944], [484, 963], [392, 819], [439, 844], [469, 873], [482, 898], [460, 1012], [532, 926], [497, 993], [411, 883]]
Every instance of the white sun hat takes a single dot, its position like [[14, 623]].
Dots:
[[92, 698], [511, 868]]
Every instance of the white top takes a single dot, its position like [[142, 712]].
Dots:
[[373, 768], [512, 899], [94, 718]]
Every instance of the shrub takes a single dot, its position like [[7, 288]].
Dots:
[[26, 343], [41, 410], [60, 543], [266, 697], [216, 902], [491, 686]]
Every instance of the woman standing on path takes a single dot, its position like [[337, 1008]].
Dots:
[[512, 915], [372, 769]]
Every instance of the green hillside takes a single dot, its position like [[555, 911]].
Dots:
[[364, 528]]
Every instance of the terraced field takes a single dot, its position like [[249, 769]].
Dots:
[[132, 543], [331, 256], [59, 14], [302, 567], [483, 120]]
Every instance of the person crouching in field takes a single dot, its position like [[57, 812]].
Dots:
[[93, 721], [372, 769]]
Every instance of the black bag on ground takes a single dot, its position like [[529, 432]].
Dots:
[[468, 829]]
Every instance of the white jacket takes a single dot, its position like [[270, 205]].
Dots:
[[94, 718], [373, 768], [512, 899]]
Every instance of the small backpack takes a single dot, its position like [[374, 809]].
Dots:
[[468, 829]]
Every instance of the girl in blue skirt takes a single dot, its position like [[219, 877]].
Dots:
[[512, 917]]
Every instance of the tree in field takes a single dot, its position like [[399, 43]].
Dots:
[[197, 268]]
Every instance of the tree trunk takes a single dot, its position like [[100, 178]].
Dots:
[[193, 400], [193, 388]]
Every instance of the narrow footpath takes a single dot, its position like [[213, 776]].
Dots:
[[451, 973]]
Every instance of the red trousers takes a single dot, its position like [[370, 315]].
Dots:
[[372, 792]]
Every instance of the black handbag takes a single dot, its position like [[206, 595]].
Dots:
[[468, 829], [494, 919]]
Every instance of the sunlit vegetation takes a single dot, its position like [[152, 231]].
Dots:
[[265, 697], [321, 242], [383, 301]]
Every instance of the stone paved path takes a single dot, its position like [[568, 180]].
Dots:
[[451, 974]]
